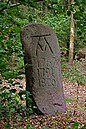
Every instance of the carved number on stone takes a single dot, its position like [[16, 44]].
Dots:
[[47, 68]]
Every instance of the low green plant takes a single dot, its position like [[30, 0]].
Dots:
[[75, 125], [67, 100], [29, 127], [13, 104], [45, 127], [73, 73]]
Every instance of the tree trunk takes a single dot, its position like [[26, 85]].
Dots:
[[12, 60], [71, 47], [68, 5], [45, 7]]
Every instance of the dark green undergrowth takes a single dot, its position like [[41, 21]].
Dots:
[[12, 20], [13, 103]]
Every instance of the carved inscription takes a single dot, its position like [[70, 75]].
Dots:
[[43, 79], [47, 66]]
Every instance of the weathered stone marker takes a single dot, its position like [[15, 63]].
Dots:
[[43, 73]]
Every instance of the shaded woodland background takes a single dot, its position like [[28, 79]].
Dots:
[[68, 19]]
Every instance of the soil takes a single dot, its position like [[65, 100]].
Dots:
[[75, 97]]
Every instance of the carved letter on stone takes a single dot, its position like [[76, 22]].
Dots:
[[43, 73]]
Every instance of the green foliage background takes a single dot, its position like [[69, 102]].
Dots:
[[14, 14], [17, 13]]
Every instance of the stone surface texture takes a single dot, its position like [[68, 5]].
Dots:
[[42, 68]]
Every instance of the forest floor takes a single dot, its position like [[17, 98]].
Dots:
[[75, 98], [76, 110]]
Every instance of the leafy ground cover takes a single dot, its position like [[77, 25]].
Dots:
[[74, 118], [20, 118], [13, 112]]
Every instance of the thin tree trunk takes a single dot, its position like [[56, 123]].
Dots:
[[12, 60], [68, 5], [71, 47], [45, 7]]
